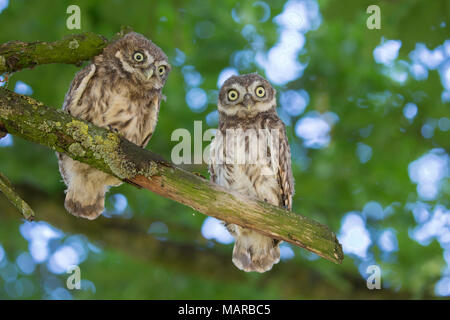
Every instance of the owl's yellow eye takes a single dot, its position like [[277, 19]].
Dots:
[[233, 95], [161, 70], [138, 57], [260, 91]]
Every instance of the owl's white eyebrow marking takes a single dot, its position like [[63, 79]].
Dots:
[[238, 87], [125, 65], [150, 58], [254, 85]]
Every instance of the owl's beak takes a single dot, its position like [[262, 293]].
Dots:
[[148, 72], [248, 101]]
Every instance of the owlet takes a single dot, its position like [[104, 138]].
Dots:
[[121, 89], [250, 154]]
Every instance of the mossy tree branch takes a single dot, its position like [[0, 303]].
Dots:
[[107, 151], [73, 49], [7, 189]]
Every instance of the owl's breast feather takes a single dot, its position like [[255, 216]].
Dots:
[[135, 119]]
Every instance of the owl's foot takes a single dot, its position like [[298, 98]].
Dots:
[[83, 210], [255, 253]]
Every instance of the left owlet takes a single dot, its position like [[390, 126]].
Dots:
[[120, 90]]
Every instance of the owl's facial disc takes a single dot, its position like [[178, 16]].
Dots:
[[136, 59], [246, 100]]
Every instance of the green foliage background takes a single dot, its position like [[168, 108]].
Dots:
[[330, 182]]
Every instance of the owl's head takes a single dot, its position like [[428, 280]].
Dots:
[[246, 96], [138, 59]]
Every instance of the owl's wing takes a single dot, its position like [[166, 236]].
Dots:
[[285, 178], [77, 88]]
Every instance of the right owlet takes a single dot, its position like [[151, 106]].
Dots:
[[120, 90], [258, 165]]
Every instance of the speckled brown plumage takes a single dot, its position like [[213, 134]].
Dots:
[[268, 181], [121, 89]]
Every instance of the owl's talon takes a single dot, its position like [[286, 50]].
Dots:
[[115, 130], [132, 183]]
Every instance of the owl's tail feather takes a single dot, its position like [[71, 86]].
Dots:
[[90, 206], [86, 187], [255, 252]]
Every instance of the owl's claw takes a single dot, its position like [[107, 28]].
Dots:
[[132, 183], [115, 130]]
